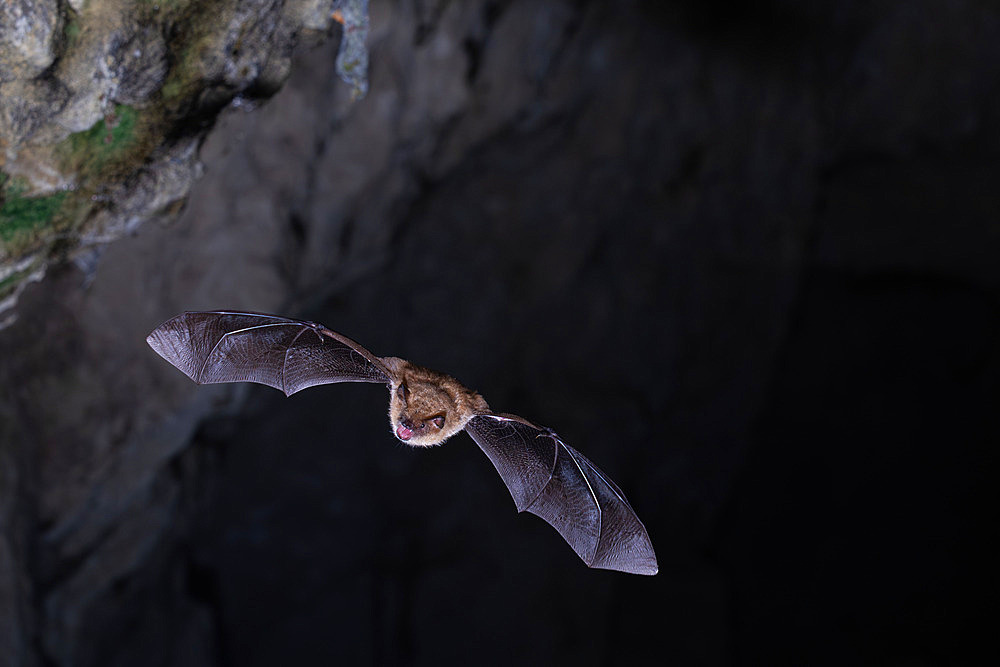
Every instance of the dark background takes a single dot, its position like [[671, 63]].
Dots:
[[745, 259]]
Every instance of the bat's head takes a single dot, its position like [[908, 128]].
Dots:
[[420, 413], [425, 407]]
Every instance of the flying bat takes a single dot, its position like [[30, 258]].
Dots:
[[545, 476]]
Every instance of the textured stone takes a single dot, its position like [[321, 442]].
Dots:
[[28, 33], [91, 108], [140, 66], [27, 107], [352, 57], [89, 68]]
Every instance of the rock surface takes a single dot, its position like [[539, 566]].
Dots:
[[28, 36], [744, 261], [104, 103]]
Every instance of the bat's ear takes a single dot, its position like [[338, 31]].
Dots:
[[438, 421]]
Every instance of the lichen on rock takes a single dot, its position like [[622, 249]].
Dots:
[[21, 215], [352, 58]]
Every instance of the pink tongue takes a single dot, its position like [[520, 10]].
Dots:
[[403, 433]]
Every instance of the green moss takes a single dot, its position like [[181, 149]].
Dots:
[[108, 143], [174, 88], [21, 217], [183, 80], [195, 26], [72, 31], [166, 6]]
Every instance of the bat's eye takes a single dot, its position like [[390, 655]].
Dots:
[[402, 391], [438, 421]]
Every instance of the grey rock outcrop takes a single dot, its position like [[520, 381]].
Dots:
[[29, 31], [103, 105]]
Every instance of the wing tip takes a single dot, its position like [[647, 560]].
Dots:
[[646, 566], [636, 557], [159, 340], [155, 341], [646, 572]]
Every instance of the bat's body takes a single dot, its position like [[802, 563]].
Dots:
[[544, 475]]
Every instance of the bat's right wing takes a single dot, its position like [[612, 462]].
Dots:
[[554, 481], [290, 355]]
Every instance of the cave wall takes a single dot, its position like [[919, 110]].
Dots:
[[744, 259]]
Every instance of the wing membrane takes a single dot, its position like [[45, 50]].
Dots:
[[290, 355], [552, 480]]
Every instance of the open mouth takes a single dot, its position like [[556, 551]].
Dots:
[[403, 433]]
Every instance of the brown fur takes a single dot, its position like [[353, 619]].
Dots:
[[429, 394]]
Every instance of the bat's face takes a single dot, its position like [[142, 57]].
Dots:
[[421, 414]]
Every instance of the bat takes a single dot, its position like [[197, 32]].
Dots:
[[544, 475]]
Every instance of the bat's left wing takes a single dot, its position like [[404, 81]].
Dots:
[[290, 355], [549, 478]]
